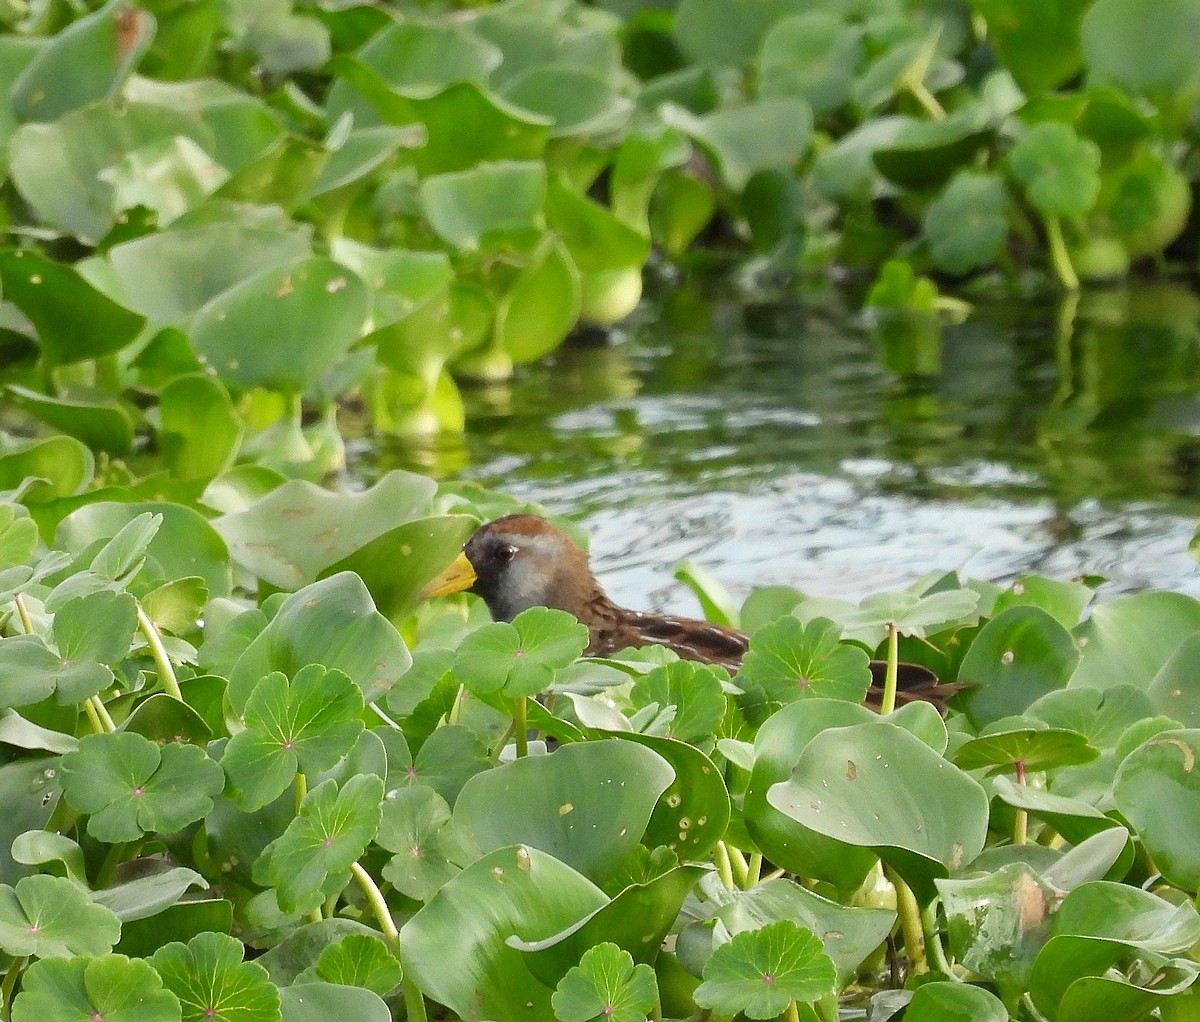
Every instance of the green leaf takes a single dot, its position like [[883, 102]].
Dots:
[[954, 1002], [606, 984], [74, 321], [61, 466], [414, 827], [147, 897], [1032, 748], [889, 792], [1058, 169], [913, 613], [100, 422], [38, 847], [176, 606], [97, 627], [1127, 641], [303, 317], [130, 786], [1018, 656], [789, 660], [212, 982], [1037, 42], [305, 724], [579, 102], [361, 961], [535, 315], [760, 972], [200, 431], [812, 55], [319, 1002], [463, 207], [520, 658], [52, 917], [311, 860], [112, 987], [1073, 819], [587, 804], [966, 225], [693, 690], [1141, 45], [1156, 791], [1102, 716]]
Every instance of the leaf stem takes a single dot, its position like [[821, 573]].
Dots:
[[935, 953], [827, 1008], [724, 869], [521, 727], [754, 870], [166, 673], [910, 922], [791, 1014], [116, 854], [1021, 820], [26, 623], [89, 707], [300, 787], [893, 670], [737, 866], [1060, 259], [413, 998], [9, 985]]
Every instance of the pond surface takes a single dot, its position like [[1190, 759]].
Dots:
[[768, 441]]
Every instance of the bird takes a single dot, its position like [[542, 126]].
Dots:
[[522, 561]]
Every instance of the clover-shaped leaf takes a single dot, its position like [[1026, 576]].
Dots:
[[413, 826], [519, 659], [760, 972], [966, 225], [359, 960], [52, 917], [306, 724], [113, 988], [605, 985], [312, 858], [212, 982], [693, 689], [130, 786], [790, 660], [1058, 169]]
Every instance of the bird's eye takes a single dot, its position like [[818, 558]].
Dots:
[[506, 553]]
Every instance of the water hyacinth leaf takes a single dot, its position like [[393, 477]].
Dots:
[[1101, 715], [319, 1002], [57, 166], [210, 979], [176, 606], [538, 311], [892, 793], [998, 923], [167, 177], [52, 917], [846, 171], [1171, 692], [170, 275], [924, 154], [966, 225], [87, 61], [789, 660], [520, 658], [692, 813], [728, 33], [1031, 748], [59, 466], [311, 860], [200, 431], [1063, 601], [322, 527], [812, 55], [1038, 43], [694, 690], [1129, 639], [778, 745], [305, 724], [131, 786], [762, 135], [1130, 915], [397, 564], [30, 790], [605, 984], [514, 890], [101, 423], [1073, 819], [1103, 856], [586, 804], [18, 537], [1019, 655], [760, 972], [954, 1002], [84, 989], [681, 206], [464, 206], [39, 847], [1156, 791], [357, 960], [303, 317], [146, 896], [577, 101], [1058, 169], [1142, 46], [414, 828], [74, 321]]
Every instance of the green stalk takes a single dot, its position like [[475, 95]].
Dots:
[[26, 623], [1060, 259], [826, 1008], [521, 727], [934, 951], [910, 922], [893, 669], [791, 1014], [737, 867], [754, 870], [300, 786], [1021, 821], [116, 854], [724, 869], [89, 707], [9, 985], [166, 673], [413, 998], [1184, 1007]]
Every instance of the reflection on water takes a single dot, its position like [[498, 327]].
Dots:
[[771, 442]]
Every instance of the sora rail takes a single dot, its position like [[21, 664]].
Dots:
[[522, 561]]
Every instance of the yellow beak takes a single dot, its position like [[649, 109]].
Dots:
[[458, 577]]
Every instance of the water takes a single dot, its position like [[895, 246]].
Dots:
[[769, 441]]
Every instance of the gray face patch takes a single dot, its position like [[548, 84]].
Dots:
[[528, 577]]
